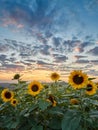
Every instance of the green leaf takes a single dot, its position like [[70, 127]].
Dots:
[[39, 127], [94, 102], [26, 114], [33, 107], [91, 78], [71, 120], [55, 123], [56, 110], [14, 124], [31, 121], [43, 104], [2, 106], [23, 112], [94, 114], [11, 122]]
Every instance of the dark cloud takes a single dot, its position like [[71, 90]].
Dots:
[[9, 41], [41, 62], [85, 44], [56, 41], [48, 34], [3, 58], [8, 44], [82, 61], [41, 38], [69, 45], [93, 51], [12, 67], [74, 38], [23, 55], [60, 58], [13, 54], [31, 61], [76, 45], [88, 37], [26, 63], [44, 49], [95, 62], [79, 56], [12, 59], [3, 48]]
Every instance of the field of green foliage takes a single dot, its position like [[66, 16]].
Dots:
[[53, 106]]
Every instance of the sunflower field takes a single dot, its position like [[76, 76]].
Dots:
[[50, 106]]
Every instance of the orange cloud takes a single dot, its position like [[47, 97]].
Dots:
[[77, 49], [6, 22]]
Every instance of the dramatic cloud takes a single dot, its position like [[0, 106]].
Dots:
[[48, 35]]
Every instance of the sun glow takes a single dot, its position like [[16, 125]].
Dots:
[[40, 75]]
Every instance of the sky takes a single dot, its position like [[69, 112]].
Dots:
[[38, 37]]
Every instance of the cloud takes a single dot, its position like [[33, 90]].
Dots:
[[87, 43], [92, 72], [56, 41], [12, 67], [39, 62], [3, 48], [77, 57], [95, 62], [59, 59], [3, 58], [31, 61], [23, 55], [91, 5], [38, 15], [45, 49], [93, 51], [82, 61], [26, 13], [78, 49]]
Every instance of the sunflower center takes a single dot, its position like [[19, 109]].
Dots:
[[78, 79], [51, 99], [89, 87], [14, 102], [8, 95], [54, 75], [34, 88]]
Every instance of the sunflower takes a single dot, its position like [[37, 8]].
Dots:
[[54, 103], [91, 88], [14, 102], [55, 76], [74, 101], [52, 100], [78, 79], [97, 85], [34, 88], [16, 76], [7, 95]]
